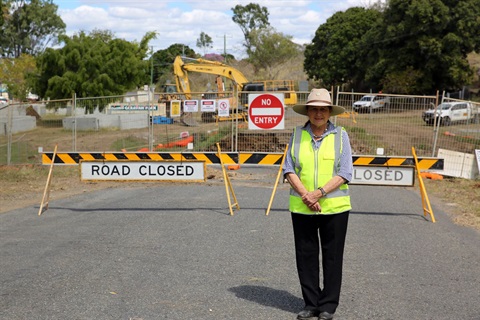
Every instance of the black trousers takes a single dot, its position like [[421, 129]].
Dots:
[[312, 232]]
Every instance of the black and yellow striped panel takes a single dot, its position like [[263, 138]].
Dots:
[[423, 163], [73, 158], [260, 158]]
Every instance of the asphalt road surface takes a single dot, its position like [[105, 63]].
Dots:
[[172, 251]]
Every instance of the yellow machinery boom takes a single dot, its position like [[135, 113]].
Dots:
[[241, 83]]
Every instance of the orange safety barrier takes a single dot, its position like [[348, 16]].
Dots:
[[178, 143], [431, 175]]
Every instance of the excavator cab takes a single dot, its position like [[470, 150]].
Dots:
[[169, 88], [251, 87]]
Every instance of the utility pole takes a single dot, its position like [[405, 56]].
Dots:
[[225, 47], [150, 118]]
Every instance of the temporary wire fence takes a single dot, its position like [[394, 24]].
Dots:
[[142, 122]]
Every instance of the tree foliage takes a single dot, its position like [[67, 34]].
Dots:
[[250, 18], [29, 27], [3, 13], [92, 65], [433, 39], [413, 46], [15, 73], [204, 42], [334, 57], [163, 62], [270, 49]]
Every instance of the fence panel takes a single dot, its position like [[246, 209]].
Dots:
[[26, 127], [121, 123], [392, 127]]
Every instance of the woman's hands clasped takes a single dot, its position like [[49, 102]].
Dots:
[[311, 200]]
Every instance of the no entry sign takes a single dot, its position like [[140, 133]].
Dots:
[[266, 111]]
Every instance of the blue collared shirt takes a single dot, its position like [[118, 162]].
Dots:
[[346, 166]]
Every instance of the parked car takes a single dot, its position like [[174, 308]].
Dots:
[[449, 112], [3, 101], [371, 102], [32, 97]]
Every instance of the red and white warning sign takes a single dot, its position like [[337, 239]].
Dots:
[[223, 108], [190, 106], [266, 111], [207, 105]]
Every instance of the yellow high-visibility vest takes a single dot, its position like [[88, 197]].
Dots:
[[315, 168]]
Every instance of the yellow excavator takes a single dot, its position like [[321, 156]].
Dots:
[[240, 87]]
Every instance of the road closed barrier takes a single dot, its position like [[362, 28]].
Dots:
[[390, 176], [122, 170], [241, 158]]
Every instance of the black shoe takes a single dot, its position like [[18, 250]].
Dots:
[[307, 314], [325, 316]]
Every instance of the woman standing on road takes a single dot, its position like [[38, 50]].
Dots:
[[318, 166]]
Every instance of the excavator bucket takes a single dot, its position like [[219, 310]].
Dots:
[[188, 120]]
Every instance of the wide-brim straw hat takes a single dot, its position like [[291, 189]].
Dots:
[[318, 98]]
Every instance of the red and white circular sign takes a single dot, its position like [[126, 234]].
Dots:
[[266, 111]]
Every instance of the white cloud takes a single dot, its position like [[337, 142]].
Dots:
[[183, 21]]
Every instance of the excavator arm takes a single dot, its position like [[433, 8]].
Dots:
[[181, 69], [181, 77], [241, 83]]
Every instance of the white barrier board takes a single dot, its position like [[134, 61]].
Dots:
[[477, 154], [383, 176], [125, 170]]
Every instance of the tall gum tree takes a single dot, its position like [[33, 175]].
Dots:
[[29, 27], [250, 18], [271, 49]]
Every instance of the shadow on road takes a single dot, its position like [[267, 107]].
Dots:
[[278, 299], [418, 216], [221, 210]]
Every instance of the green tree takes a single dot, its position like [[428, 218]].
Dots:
[[93, 65], [411, 47], [249, 18], [432, 39], [163, 62], [337, 53], [269, 49], [3, 13], [15, 73], [29, 27], [204, 42]]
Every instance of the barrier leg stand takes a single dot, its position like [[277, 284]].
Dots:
[[353, 117], [276, 182], [427, 208], [46, 192], [228, 184]]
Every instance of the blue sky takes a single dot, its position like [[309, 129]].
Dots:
[[183, 21]]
